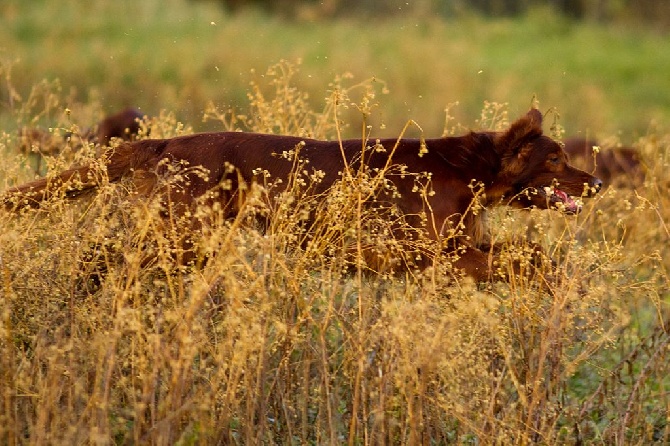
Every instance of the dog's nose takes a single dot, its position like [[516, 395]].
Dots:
[[597, 184]]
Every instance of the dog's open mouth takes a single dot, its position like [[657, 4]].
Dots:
[[562, 200]]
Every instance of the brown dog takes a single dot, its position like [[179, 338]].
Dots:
[[519, 167], [124, 125], [611, 164]]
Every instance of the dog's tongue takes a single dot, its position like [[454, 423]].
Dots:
[[567, 200]]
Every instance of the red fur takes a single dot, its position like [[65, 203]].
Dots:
[[515, 167], [123, 125], [611, 164]]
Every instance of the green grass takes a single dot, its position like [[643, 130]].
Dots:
[[179, 55]]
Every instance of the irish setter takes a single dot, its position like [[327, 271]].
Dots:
[[611, 164], [519, 167]]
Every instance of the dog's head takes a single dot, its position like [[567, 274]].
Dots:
[[536, 170]]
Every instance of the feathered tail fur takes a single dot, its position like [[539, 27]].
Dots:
[[72, 182]]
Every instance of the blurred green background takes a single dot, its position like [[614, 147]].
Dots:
[[604, 65]]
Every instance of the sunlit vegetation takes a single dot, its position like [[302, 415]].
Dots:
[[105, 339]]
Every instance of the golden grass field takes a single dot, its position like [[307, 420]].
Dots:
[[270, 343]]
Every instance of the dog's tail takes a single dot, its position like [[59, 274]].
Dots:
[[73, 182]]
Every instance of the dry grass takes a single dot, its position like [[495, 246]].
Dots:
[[283, 339]]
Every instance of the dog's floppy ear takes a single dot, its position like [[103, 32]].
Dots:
[[521, 131]]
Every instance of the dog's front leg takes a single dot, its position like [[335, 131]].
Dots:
[[476, 263], [521, 258], [484, 263]]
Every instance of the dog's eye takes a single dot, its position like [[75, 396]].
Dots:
[[554, 159]]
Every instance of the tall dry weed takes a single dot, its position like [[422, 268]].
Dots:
[[291, 336]]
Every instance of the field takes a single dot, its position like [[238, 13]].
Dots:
[[275, 344]]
